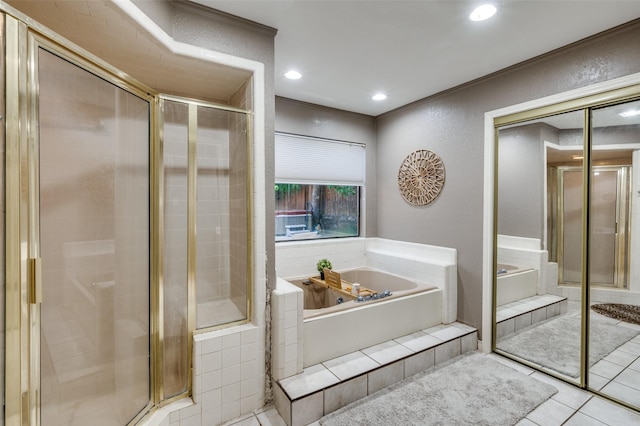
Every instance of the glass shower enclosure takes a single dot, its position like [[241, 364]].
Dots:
[[127, 231]]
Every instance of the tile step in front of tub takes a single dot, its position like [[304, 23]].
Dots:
[[323, 388], [515, 316]]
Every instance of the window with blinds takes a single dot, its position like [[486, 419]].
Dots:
[[318, 186]]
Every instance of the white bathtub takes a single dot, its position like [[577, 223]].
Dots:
[[516, 284], [341, 329]]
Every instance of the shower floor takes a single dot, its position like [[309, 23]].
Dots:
[[218, 312], [72, 371]]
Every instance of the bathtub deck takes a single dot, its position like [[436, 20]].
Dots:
[[517, 315], [325, 387]]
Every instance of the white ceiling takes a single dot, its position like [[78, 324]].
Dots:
[[349, 50], [346, 49]]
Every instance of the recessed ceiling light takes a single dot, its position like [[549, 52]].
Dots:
[[577, 157], [379, 97], [293, 75], [483, 12], [630, 113]]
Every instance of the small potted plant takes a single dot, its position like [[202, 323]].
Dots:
[[322, 265]]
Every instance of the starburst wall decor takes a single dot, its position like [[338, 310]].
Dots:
[[421, 177]]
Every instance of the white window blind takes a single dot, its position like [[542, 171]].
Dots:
[[302, 159]]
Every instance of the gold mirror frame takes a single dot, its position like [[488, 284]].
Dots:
[[585, 104]]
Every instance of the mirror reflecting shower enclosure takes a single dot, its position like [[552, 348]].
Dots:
[[535, 322], [567, 287], [609, 266]]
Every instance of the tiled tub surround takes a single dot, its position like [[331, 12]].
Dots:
[[425, 263], [531, 294], [369, 323], [228, 379], [339, 333], [525, 253], [320, 300], [325, 387], [287, 330], [515, 284]]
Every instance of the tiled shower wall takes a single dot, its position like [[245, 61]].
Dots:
[[175, 247], [238, 159], [213, 273], [229, 364], [221, 209]]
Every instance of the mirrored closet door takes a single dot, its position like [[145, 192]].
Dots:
[[567, 280], [614, 283], [535, 322]]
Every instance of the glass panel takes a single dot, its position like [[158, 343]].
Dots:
[[539, 208], [571, 178], [176, 135], [94, 218], [238, 216], [602, 216], [2, 210], [614, 268], [316, 211], [222, 235]]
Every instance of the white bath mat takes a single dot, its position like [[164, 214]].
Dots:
[[470, 390], [555, 343]]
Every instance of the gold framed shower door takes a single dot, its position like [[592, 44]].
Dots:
[[620, 229], [24, 38]]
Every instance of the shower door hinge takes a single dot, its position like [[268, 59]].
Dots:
[[35, 280]]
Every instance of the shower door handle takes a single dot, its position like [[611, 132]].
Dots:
[[35, 280]]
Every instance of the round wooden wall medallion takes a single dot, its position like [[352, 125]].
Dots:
[[421, 177]]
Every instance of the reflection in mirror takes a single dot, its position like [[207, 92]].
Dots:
[[539, 255], [614, 271]]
